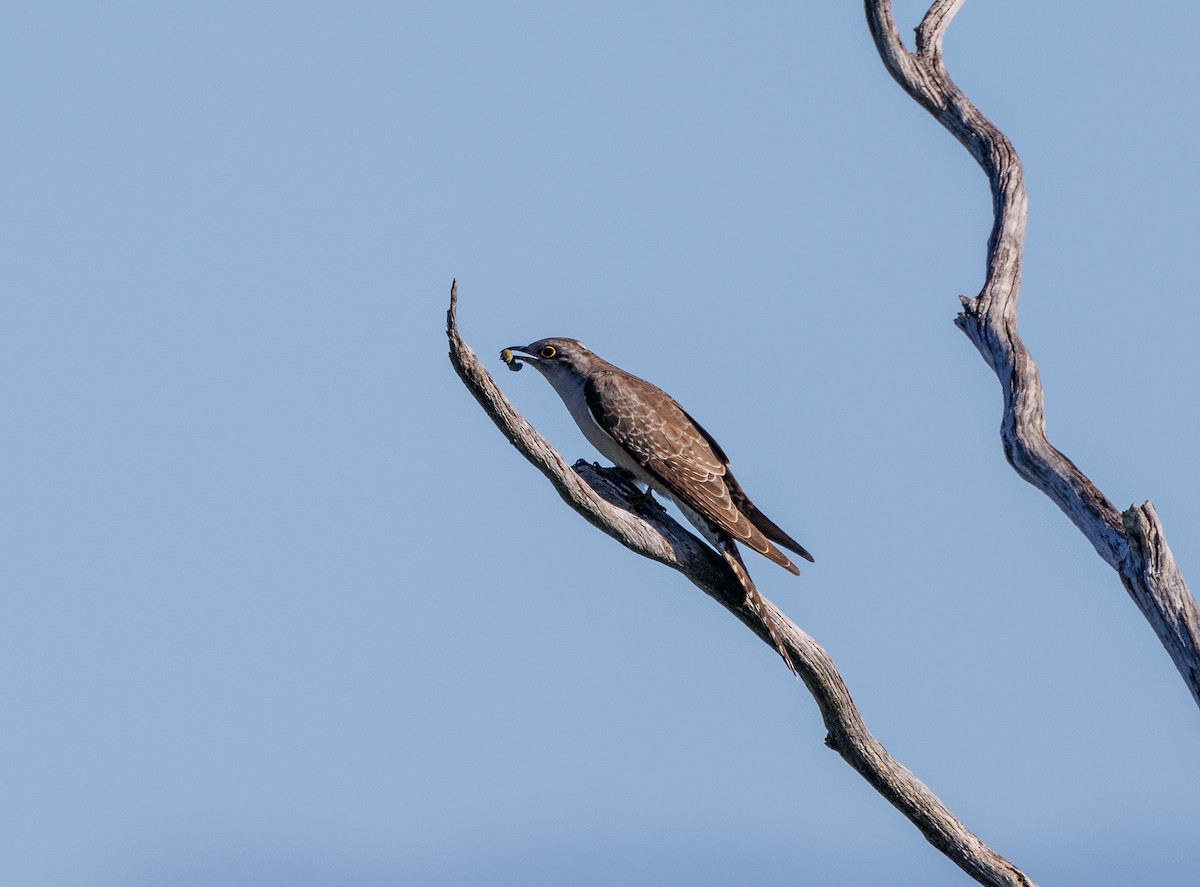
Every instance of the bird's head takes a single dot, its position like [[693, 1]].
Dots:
[[554, 358]]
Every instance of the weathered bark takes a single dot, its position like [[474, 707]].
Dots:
[[608, 500], [1132, 542]]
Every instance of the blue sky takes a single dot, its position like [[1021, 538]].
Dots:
[[281, 607]]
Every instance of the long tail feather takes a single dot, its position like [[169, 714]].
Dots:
[[734, 558], [762, 523]]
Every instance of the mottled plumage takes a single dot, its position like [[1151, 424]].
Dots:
[[641, 428]]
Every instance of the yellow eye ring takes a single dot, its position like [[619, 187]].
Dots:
[[548, 351]]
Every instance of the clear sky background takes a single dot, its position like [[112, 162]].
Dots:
[[281, 607]]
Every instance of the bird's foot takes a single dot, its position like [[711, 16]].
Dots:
[[639, 499], [627, 482]]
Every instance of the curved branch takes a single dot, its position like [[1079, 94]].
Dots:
[[609, 500], [1132, 542]]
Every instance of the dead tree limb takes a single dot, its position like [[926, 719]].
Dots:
[[1131, 542], [608, 500]]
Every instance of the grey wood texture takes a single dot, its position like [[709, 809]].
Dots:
[[1131, 542], [608, 500]]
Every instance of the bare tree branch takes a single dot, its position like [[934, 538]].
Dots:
[[608, 500], [1132, 542]]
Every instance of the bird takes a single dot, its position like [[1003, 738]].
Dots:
[[643, 430]]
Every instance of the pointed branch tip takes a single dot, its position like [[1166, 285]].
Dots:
[[452, 314]]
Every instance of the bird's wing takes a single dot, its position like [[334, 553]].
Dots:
[[742, 502], [765, 525], [671, 447]]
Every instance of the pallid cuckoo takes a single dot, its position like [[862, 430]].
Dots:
[[643, 430]]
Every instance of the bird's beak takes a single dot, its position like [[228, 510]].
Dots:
[[526, 356], [516, 361]]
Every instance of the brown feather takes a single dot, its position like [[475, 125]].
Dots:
[[678, 453], [734, 558]]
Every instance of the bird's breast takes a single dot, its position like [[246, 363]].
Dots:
[[576, 402]]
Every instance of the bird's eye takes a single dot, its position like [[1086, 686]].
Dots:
[[548, 351]]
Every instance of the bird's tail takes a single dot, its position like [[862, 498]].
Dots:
[[734, 558], [762, 523]]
